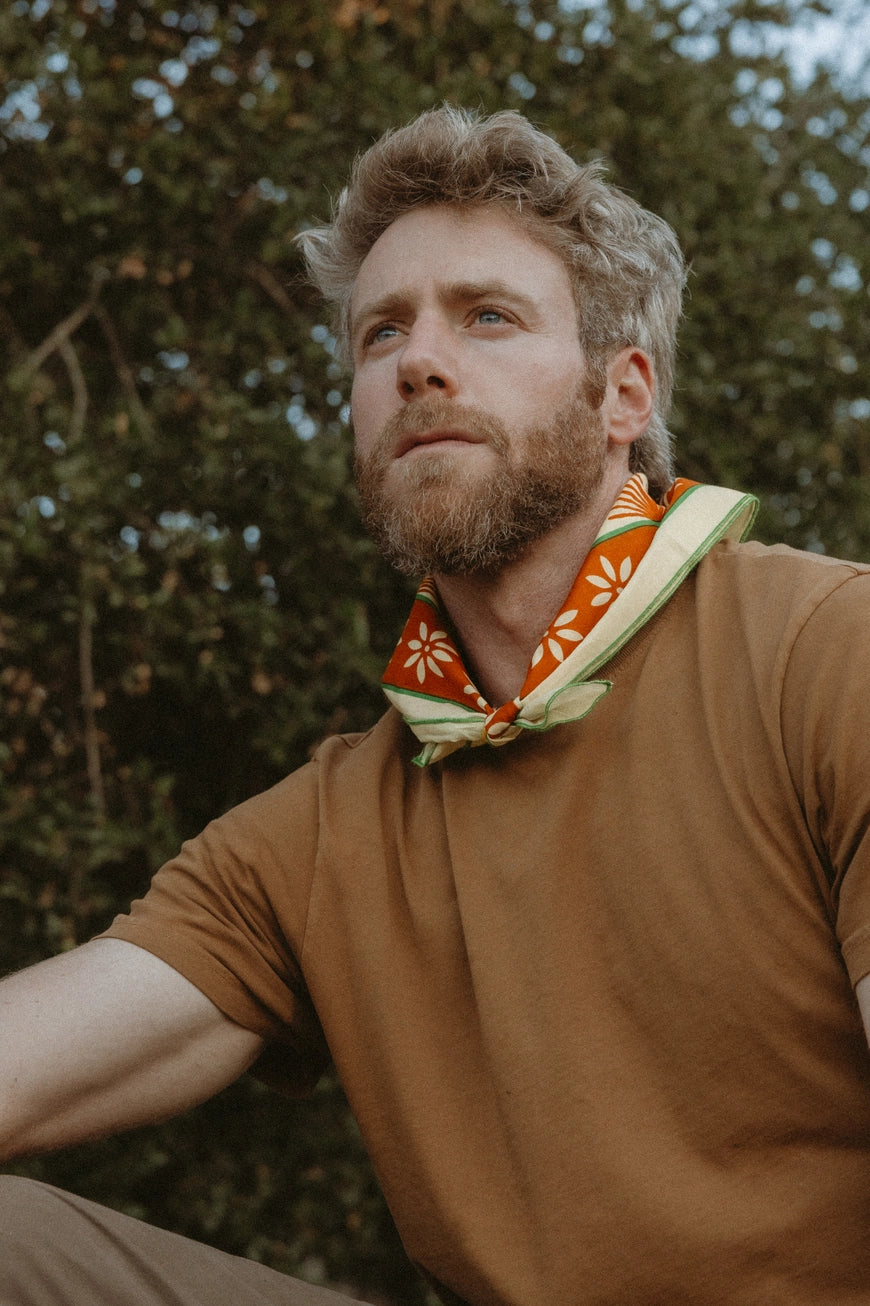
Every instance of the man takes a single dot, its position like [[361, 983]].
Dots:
[[582, 932]]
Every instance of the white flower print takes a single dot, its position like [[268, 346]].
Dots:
[[559, 630], [473, 692], [610, 583], [428, 650]]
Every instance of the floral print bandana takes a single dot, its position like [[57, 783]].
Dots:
[[642, 553]]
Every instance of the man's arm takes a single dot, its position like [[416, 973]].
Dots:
[[104, 1038]]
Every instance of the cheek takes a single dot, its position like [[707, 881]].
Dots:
[[543, 393], [360, 416], [372, 401]]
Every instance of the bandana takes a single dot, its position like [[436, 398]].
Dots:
[[642, 553]]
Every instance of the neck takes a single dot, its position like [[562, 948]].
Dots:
[[500, 619]]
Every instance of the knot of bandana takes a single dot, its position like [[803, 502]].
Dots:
[[642, 553]]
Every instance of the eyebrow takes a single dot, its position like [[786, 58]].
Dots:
[[392, 305], [455, 292]]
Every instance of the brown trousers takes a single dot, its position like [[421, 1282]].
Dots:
[[60, 1250]]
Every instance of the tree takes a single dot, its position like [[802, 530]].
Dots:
[[186, 601]]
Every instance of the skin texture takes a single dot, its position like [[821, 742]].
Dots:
[[462, 304], [104, 1038]]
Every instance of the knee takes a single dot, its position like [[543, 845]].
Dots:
[[25, 1223], [16, 1191], [14, 1188], [25, 1206]]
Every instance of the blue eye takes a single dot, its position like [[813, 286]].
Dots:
[[488, 316]]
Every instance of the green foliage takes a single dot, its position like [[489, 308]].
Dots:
[[186, 601]]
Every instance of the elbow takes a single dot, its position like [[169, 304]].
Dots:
[[11, 1147], [18, 1130]]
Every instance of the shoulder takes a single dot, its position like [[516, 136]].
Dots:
[[752, 560], [388, 744], [756, 615], [346, 761], [790, 623], [777, 588]]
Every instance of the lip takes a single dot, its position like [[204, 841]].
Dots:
[[437, 436]]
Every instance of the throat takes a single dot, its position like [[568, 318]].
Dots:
[[499, 619], [497, 638]]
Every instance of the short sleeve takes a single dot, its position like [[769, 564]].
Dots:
[[826, 732]]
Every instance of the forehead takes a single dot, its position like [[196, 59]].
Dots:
[[442, 244]]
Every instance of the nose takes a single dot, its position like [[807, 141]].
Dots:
[[427, 362]]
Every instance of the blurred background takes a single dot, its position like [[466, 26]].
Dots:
[[187, 604]]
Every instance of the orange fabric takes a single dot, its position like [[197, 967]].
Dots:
[[427, 661]]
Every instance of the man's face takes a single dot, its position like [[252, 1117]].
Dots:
[[473, 432]]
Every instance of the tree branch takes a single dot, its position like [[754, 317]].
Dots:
[[123, 369], [62, 332], [272, 286], [79, 387]]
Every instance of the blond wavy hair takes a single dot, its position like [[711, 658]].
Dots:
[[625, 264]]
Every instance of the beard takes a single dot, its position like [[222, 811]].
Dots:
[[432, 513]]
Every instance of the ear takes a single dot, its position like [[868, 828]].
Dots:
[[631, 388]]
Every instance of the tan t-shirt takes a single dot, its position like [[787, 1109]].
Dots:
[[590, 994]]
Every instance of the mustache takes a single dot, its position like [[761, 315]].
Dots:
[[420, 418]]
